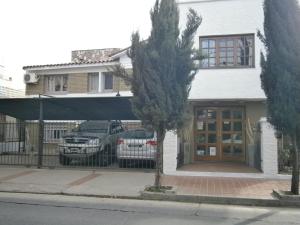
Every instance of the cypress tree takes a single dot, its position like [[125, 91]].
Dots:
[[163, 69], [281, 72]]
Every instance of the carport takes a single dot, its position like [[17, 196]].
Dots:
[[80, 108], [64, 109]]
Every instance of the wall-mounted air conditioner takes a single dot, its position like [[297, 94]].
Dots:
[[31, 78]]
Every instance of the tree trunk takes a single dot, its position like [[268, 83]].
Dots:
[[295, 173], [159, 155]]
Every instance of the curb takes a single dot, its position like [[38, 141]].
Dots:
[[219, 200], [182, 198]]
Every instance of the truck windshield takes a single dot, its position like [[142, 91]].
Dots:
[[93, 127]]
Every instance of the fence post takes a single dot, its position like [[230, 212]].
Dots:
[[41, 135]]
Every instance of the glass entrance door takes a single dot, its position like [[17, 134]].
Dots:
[[219, 134]]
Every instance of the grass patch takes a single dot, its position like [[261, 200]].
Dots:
[[161, 189]]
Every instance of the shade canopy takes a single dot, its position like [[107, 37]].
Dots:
[[80, 108]]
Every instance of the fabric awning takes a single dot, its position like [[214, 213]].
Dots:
[[79, 108]]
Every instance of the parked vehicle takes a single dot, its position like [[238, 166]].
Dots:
[[138, 144], [93, 141]]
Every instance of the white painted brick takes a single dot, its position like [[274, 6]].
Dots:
[[170, 152], [269, 149]]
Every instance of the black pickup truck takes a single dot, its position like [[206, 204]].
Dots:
[[92, 141]]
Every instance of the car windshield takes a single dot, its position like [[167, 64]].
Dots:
[[93, 127], [138, 134]]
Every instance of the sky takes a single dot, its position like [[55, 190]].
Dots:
[[34, 32]]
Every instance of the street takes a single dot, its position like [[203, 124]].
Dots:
[[28, 209]]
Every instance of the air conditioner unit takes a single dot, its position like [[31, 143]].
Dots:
[[31, 78]]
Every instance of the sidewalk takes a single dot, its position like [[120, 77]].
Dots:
[[129, 184]]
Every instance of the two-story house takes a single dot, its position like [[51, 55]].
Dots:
[[226, 98]]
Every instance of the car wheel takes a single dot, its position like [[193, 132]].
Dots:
[[63, 160]]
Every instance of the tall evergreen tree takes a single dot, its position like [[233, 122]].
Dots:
[[281, 72], [163, 69]]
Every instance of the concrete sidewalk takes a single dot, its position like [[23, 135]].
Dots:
[[74, 182], [129, 184]]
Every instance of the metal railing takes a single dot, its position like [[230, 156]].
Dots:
[[93, 144]]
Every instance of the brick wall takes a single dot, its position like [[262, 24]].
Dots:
[[35, 89], [120, 85], [78, 83]]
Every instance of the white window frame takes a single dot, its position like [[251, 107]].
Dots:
[[47, 86], [103, 82], [89, 87], [52, 128]]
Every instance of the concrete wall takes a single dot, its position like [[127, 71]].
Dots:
[[170, 152], [230, 17]]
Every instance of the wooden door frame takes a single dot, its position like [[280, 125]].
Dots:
[[242, 157]]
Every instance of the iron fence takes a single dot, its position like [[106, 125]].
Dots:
[[100, 144]]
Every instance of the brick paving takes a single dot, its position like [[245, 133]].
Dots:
[[225, 187]]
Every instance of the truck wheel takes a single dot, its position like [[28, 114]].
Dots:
[[64, 160]]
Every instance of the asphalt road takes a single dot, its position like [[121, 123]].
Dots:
[[26, 209]]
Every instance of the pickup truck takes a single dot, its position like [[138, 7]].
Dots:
[[92, 141]]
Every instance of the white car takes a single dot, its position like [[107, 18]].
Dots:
[[138, 144]]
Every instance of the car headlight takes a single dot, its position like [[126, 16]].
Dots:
[[94, 141]]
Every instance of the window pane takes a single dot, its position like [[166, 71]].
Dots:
[[237, 114], [237, 138], [237, 150], [212, 62], [237, 126], [201, 150], [108, 81], [57, 81], [229, 43], [65, 83], [205, 52], [226, 149], [93, 82], [201, 114], [226, 138], [230, 52], [204, 44], [212, 43], [201, 125], [223, 62], [211, 114], [212, 138], [201, 138], [212, 126], [226, 126], [226, 114], [212, 52], [204, 63], [222, 43]]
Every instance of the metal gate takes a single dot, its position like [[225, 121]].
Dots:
[[92, 144]]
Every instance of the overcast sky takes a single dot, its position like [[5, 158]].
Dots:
[[36, 32]]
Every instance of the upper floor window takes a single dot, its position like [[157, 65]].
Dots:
[[227, 51], [93, 82], [56, 83], [107, 81]]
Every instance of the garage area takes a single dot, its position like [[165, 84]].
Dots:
[[93, 132]]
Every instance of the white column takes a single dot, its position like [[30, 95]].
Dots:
[[170, 152], [269, 151]]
